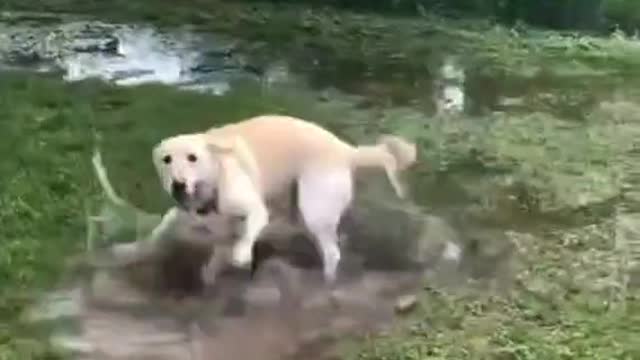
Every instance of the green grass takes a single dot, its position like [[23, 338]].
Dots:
[[559, 309]]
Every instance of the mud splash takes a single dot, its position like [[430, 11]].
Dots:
[[158, 308], [121, 322]]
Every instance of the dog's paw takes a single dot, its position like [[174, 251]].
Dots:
[[242, 256]]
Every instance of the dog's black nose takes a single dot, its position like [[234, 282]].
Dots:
[[178, 189]]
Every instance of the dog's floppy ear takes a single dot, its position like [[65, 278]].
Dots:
[[238, 147], [220, 144]]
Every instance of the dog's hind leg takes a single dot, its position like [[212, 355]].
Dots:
[[324, 195]]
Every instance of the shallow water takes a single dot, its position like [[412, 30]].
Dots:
[[122, 54], [479, 199], [136, 54]]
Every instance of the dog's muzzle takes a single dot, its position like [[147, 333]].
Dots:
[[179, 191], [203, 204]]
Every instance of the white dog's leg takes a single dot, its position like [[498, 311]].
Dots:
[[324, 197], [255, 221]]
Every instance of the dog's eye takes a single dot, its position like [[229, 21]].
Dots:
[[192, 158], [166, 159]]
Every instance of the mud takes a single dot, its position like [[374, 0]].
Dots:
[[281, 308], [161, 310], [122, 323]]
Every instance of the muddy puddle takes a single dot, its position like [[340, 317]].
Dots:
[[119, 323], [158, 307]]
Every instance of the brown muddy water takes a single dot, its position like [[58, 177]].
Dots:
[[158, 308]]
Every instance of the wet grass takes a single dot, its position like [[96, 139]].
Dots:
[[560, 308]]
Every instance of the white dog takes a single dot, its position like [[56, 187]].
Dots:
[[235, 169]]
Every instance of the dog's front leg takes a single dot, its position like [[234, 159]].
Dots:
[[256, 219]]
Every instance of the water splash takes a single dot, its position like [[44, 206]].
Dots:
[[143, 55], [450, 97], [124, 54]]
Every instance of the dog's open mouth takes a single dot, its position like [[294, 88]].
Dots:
[[209, 206]]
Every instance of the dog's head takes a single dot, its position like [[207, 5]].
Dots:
[[189, 167]]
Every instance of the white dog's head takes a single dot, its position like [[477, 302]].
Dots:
[[189, 169]]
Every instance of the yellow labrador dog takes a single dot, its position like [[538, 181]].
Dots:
[[235, 169]]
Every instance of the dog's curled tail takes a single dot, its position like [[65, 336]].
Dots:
[[392, 153]]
